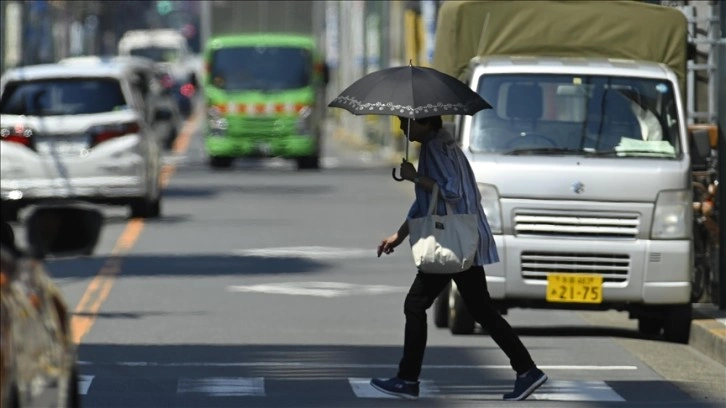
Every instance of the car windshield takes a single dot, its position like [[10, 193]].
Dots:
[[574, 114], [158, 54], [261, 68], [62, 97]]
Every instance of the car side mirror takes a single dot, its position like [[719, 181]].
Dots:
[[63, 230]]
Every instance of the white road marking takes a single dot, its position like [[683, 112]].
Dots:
[[223, 386], [319, 289], [294, 364], [84, 383], [551, 391], [577, 391], [309, 252], [363, 389]]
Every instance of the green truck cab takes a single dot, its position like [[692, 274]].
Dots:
[[265, 96]]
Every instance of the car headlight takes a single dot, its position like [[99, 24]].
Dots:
[[672, 215], [304, 121], [492, 208]]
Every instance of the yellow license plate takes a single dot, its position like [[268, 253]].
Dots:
[[574, 288]]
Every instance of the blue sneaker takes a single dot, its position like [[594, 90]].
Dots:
[[526, 384], [397, 387]]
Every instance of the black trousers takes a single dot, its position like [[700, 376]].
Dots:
[[472, 285]]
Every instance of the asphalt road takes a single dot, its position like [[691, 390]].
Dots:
[[260, 287]]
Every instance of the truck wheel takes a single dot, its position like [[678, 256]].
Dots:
[[441, 308], [649, 326], [218, 162], [308, 163], [10, 212], [460, 320], [677, 323]]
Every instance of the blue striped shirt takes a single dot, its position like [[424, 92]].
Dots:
[[442, 160]]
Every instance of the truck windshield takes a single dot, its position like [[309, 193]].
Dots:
[[158, 54], [573, 114], [261, 68]]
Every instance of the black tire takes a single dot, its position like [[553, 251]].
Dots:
[[460, 320], [73, 397], [143, 208], [441, 308], [677, 323], [219, 162], [649, 326], [10, 212], [308, 163]]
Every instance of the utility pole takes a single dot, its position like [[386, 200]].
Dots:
[[205, 21]]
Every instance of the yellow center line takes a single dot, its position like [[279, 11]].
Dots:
[[99, 288]]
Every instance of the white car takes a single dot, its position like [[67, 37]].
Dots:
[[76, 132], [177, 65]]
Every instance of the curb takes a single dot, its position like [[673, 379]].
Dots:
[[708, 331]]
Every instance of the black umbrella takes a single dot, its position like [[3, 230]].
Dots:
[[411, 92]]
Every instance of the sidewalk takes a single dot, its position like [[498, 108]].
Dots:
[[708, 331]]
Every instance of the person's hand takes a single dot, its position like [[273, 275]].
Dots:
[[386, 246], [408, 172]]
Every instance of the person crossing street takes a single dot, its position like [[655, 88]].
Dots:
[[442, 163]]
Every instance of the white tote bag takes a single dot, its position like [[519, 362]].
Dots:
[[443, 243]]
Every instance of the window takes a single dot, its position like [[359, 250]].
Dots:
[[62, 97], [588, 114], [261, 68]]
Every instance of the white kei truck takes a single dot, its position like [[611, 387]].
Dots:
[[584, 162]]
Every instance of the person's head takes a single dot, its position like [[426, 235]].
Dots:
[[421, 127]]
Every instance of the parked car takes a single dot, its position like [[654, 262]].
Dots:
[[175, 62], [79, 132], [37, 351]]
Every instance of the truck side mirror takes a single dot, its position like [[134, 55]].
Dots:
[[326, 73], [700, 149]]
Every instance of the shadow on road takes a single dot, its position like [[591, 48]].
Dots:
[[193, 265]]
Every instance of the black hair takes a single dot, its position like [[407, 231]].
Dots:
[[435, 122]]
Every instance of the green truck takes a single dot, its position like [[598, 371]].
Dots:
[[265, 96]]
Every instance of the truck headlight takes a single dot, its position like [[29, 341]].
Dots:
[[673, 215], [304, 121], [492, 208]]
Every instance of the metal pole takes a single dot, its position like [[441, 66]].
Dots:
[[721, 86], [205, 19]]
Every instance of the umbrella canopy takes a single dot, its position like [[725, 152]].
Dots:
[[411, 92]]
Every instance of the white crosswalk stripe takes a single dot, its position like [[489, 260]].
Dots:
[[577, 391], [84, 383], [223, 386], [363, 389], [553, 390]]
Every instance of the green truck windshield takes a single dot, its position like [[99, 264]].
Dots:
[[552, 114], [261, 68]]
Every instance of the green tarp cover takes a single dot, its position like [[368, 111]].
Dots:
[[623, 29]]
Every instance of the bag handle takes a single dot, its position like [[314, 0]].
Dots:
[[435, 199]]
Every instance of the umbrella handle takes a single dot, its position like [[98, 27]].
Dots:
[[393, 173]]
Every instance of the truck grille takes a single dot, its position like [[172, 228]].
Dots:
[[263, 127], [574, 225], [612, 267]]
